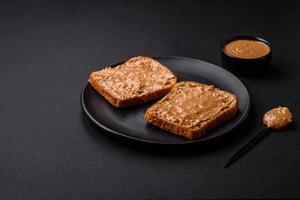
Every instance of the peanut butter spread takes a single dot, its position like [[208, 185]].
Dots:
[[134, 78], [278, 118], [247, 49], [192, 104]]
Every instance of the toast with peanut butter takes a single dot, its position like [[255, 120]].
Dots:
[[192, 109], [136, 81]]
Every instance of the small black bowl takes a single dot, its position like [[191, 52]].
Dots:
[[242, 66]]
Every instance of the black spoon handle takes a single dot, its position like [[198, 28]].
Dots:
[[247, 147]]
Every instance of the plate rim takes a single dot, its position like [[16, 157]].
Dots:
[[109, 130]]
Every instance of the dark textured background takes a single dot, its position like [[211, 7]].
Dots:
[[48, 148]]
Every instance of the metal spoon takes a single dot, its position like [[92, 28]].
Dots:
[[276, 118]]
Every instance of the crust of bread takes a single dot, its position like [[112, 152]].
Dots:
[[131, 101], [194, 132]]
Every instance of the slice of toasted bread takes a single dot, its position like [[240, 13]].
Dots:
[[138, 80], [191, 109]]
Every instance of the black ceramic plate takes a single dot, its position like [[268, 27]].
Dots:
[[129, 122]]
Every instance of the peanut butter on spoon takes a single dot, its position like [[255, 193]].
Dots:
[[278, 118]]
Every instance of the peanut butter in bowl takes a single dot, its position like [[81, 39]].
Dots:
[[247, 49], [246, 55]]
